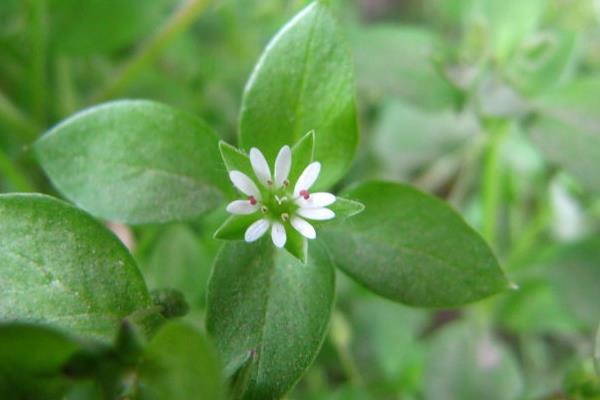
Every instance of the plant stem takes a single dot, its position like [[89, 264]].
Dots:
[[13, 117], [67, 97], [38, 80], [340, 337], [12, 174], [492, 176], [174, 25]]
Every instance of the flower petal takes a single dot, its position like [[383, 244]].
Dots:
[[283, 163], [260, 166], [303, 227], [318, 214], [256, 230], [244, 184], [316, 200], [242, 207], [308, 177], [278, 234]]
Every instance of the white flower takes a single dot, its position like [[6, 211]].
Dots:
[[279, 205]]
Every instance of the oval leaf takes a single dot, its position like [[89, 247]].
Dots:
[[412, 248], [59, 266], [135, 162], [266, 303], [304, 81]]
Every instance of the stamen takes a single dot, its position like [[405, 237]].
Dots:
[[264, 209], [285, 216], [305, 194], [252, 200], [286, 183], [269, 182]]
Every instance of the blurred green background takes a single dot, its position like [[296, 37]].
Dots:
[[453, 95]]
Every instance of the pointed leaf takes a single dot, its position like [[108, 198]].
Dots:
[[262, 300], [412, 248], [302, 82]]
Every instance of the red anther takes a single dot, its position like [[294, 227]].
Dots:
[[252, 200], [305, 194]]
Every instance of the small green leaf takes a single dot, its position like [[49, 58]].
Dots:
[[487, 368], [235, 159], [568, 130], [59, 266], [262, 300], [413, 248], [31, 361], [296, 244], [235, 226], [179, 363], [344, 208], [135, 162], [302, 154], [302, 82]]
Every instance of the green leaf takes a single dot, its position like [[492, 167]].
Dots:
[[31, 361], [303, 154], [235, 226], [262, 300], [135, 162], [59, 266], [413, 248], [575, 278], [343, 208], [487, 369], [179, 363], [302, 82], [235, 159], [568, 131]]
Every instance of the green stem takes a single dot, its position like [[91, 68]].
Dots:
[[176, 24], [15, 119], [12, 174], [492, 177], [38, 79], [67, 97], [339, 334]]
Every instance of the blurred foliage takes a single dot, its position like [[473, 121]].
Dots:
[[452, 95]]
